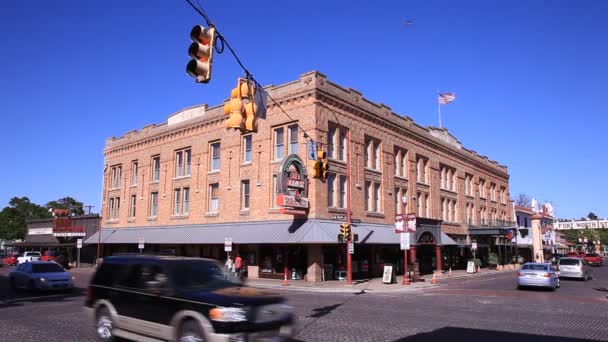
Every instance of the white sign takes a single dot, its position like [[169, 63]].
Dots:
[[387, 275], [351, 247], [474, 246], [399, 224], [79, 243], [228, 245], [40, 231], [405, 241], [141, 243], [70, 234], [411, 222], [471, 267]]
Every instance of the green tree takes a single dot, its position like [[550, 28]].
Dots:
[[592, 216], [13, 217], [67, 203]]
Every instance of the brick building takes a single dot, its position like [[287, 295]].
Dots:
[[187, 184]]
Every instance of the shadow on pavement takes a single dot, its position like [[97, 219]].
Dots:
[[451, 334]]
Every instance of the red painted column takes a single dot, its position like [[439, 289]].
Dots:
[[438, 258], [406, 276]]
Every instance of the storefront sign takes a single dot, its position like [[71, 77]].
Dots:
[[62, 227], [40, 231], [387, 275], [471, 267], [292, 186]]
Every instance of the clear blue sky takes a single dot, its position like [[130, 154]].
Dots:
[[530, 79]]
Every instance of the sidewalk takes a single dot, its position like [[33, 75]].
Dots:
[[369, 285]]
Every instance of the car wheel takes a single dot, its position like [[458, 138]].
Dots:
[[104, 325], [191, 332]]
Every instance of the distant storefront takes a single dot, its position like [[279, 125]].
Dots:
[[60, 235]]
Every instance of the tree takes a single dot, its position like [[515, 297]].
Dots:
[[523, 200], [13, 217], [591, 216], [67, 203]]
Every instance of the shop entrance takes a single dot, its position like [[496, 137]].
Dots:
[[426, 253]]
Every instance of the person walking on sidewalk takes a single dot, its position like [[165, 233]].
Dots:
[[238, 266], [229, 264]]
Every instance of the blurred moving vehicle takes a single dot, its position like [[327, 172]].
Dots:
[[574, 268], [181, 299], [594, 259], [575, 254], [28, 257], [49, 256], [11, 260], [40, 275], [537, 275]]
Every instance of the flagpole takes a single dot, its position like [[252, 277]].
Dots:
[[439, 109]]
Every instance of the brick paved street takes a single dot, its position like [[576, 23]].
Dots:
[[471, 309]]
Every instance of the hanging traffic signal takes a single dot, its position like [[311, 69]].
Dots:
[[241, 109], [324, 172], [201, 51]]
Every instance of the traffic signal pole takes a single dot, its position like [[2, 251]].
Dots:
[[349, 260]]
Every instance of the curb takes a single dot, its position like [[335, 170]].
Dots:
[[339, 289]]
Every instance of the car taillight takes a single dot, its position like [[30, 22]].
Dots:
[[547, 275]]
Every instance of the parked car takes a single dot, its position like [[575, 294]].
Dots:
[[28, 257], [11, 260], [555, 258], [49, 256], [575, 254], [181, 299], [594, 259], [574, 268], [537, 275], [40, 275]]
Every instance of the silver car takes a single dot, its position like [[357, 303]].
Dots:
[[574, 268], [537, 275]]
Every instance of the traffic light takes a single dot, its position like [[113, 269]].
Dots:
[[345, 231], [201, 51], [242, 109], [321, 166]]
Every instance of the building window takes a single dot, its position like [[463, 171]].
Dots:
[[279, 142], [156, 168], [372, 153], [133, 206], [373, 199], [482, 188], [343, 192], [331, 180], [116, 175], [214, 200], [468, 185], [245, 193], [448, 178], [422, 166], [400, 162], [493, 192], [247, 150], [482, 216], [274, 191], [293, 139], [215, 156], [422, 203], [177, 202], [471, 213], [503, 199], [183, 159], [153, 203], [134, 172], [336, 142], [399, 204], [114, 208]]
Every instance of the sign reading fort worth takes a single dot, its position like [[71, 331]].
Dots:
[[292, 186]]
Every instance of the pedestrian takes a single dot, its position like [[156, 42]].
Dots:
[[229, 264], [238, 265]]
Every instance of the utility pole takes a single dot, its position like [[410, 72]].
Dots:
[[349, 260]]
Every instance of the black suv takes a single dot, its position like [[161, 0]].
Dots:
[[181, 299]]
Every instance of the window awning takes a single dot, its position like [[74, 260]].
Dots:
[[272, 232]]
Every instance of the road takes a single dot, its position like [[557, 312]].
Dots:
[[473, 309]]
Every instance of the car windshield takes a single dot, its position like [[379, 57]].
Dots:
[[535, 267], [33, 253], [201, 273], [46, 268], [569, 262]]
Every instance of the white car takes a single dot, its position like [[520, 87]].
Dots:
[[28, 257]]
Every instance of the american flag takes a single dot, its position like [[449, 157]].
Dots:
[[445, 98]]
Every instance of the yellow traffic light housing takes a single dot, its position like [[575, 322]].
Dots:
[[201, 51], [345, 231], [317, 169], [321, 166], [242, 109]]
